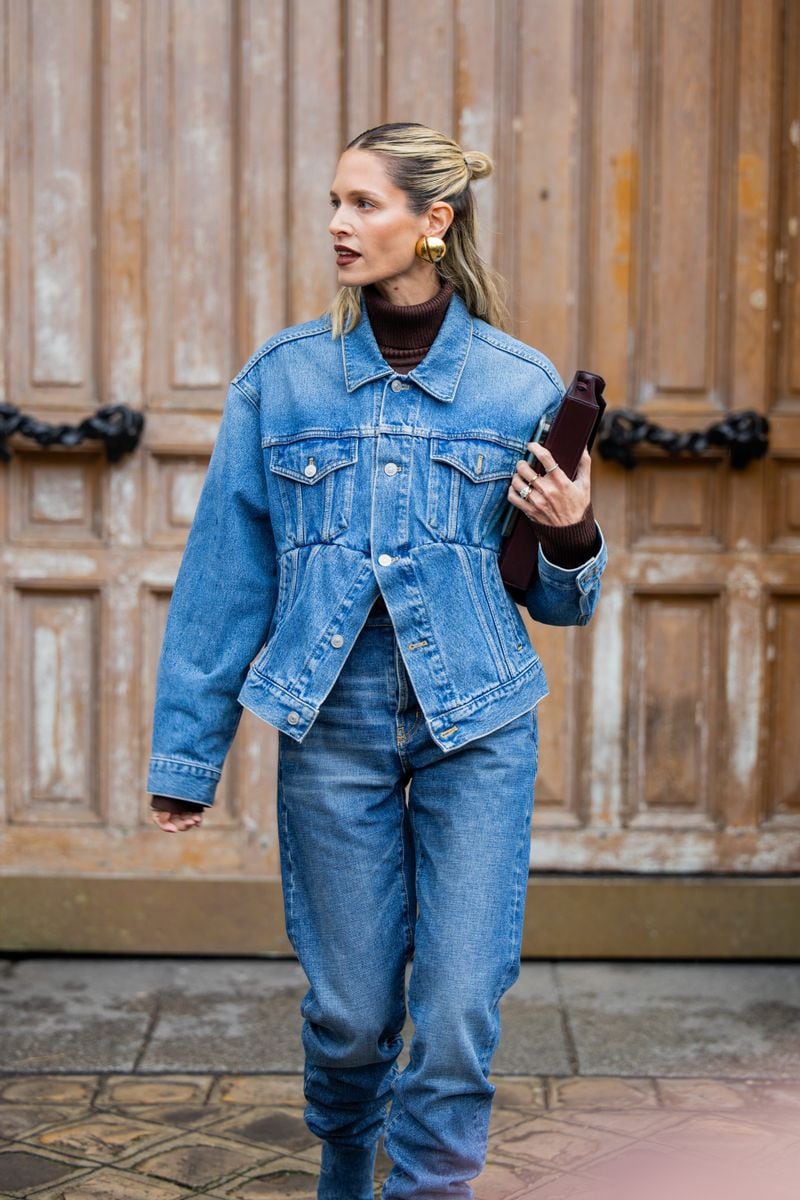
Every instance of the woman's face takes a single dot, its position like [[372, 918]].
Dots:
[[374, 231]]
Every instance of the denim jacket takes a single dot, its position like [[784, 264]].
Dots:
[[332, 480]]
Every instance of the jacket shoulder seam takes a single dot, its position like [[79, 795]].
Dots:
[[293, 334], [519, 350], [245, 391]]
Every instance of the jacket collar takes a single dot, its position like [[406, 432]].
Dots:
[[439, 372]]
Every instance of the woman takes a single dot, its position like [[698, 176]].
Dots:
[[340, 579]]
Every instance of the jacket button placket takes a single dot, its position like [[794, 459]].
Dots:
[[390, 499]]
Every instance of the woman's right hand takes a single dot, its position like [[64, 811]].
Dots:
[[176, 822]]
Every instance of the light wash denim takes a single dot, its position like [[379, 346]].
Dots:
[[370, 882], [334, 480]]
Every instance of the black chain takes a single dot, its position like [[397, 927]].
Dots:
[[118, 426], [744, 434]]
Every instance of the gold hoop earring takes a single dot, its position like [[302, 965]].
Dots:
[[432, 249]]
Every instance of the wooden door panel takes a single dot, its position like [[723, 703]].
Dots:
[[673, 720], [167, 169]]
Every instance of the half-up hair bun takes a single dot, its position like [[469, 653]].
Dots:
[[479, 164]]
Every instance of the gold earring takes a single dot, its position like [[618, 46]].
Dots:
[[432, 249]]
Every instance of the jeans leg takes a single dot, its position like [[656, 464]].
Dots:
[[343, 844], [471, 812]]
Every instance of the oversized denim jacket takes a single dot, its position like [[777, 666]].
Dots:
[[333, 479]]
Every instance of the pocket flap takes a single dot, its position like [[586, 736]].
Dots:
[[311, 459], [478, 458]]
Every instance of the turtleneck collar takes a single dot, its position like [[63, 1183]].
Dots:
[[406, 332]]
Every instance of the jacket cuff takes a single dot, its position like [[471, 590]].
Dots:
[[569, 546], [172, 804], [182, 779]]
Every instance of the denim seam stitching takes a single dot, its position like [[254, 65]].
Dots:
[[314, 329], [185, 762], [479, 613], [406, 898], [289, 859], [520, 353]]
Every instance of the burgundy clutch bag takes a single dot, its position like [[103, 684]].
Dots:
[[573, 429]]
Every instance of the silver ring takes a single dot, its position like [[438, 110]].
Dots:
[[553, 468], [525, 491]]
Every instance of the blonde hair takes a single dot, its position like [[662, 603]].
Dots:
[[429, 166]]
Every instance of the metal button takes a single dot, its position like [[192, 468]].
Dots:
[[293, 718], [385, 560], [391, 468], [396, 385], [310, 470], [337, 640]]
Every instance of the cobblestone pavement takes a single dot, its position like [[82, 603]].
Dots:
[[242, 1137]]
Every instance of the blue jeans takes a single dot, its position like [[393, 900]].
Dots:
[[370, 881]]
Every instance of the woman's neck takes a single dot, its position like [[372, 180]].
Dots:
[[405, 332], [416, 286]]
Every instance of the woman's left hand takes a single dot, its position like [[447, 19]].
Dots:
[[554, 498]]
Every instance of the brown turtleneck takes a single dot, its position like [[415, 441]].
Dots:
[[405, 334]]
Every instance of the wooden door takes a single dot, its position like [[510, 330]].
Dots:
[[165, 167]]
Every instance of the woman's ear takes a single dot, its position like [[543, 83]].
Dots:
[[440, 218]]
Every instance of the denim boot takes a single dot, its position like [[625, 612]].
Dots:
[[347, 1172]]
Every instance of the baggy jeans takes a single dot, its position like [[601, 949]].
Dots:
[[371, 880]]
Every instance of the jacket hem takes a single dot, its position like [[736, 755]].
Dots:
[[273, 704], [465, 722]]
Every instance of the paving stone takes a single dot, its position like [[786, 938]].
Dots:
[[103, 1136], [786, 1164], [22, 1169], [560, 1187], [505, 1118], [636, 1122], [720, 1020], [645, 1170], [184, 1116], [200, 1160], [230, 1015], [703, 1093], [601, 1093], [155, 1089], [722, 1136], [48, 1089], [786, 1095], [108, 1183], [503, 1179], [77, 1013], [258, 1089], [641, 1170], [555, 1143], [269, 1125], [383, 1164], [781, 1118], [19, 1120], [313, 1154], [518, 1093], [286, 1177], [532, 1037]]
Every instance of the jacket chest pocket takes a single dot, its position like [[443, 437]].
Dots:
[[315, 478], [467, 488]]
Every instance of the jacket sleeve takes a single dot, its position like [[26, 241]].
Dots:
[[566, 595], [219, 614]]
